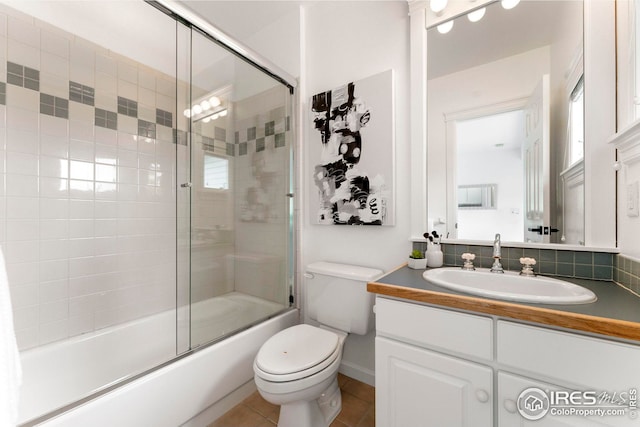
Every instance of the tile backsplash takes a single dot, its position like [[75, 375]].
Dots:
[[565, 263]]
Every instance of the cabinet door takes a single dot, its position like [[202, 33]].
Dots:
[[509, 389], [420, 388]]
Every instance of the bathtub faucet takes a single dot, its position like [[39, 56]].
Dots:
[[497, 254]]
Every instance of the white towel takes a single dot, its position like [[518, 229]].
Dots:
[[10, 368]]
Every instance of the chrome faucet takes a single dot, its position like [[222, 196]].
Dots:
[[497, 254]]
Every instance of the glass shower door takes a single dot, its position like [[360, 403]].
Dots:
[[239, 136]]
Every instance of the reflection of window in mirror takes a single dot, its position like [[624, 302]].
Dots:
[[216, 172], [576, 123]]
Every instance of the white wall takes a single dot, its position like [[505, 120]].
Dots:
[[347, 41], [501, 167]]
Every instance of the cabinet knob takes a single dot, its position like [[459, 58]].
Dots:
[[510, 406], [482, 396]]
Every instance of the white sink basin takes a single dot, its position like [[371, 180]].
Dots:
[[510, 286]]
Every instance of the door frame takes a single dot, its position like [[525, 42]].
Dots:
[[450, 120]]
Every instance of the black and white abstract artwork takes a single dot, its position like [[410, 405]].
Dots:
[[352, 143]]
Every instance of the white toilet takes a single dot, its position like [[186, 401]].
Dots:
[[297, 368]]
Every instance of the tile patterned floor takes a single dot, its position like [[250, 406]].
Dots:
[[358, 408]]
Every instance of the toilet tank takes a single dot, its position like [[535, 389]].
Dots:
[[337, 296]]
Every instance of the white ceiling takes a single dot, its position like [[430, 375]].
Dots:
[[484, 133], [499, 34]]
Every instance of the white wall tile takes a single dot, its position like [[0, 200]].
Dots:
[[53, 126], [53, 291], [79, 170], [106, 136], [25, 317], [105, 227], [57, 146], [82, 247], [81, 55], [55, 43], [24, 296], [22, 163], [127, 72], [22, 207], [106, 209], [55, 65], [22, 119], [82, 121], [21, 251], [127, 89], [106, 191], [54, 167], [81, 150], [22, 273], [21, 185], [127, 124], [82, 74], [127, 141], [54, 187], [54, 249], [54, 228], [106, 64], [22, 141], [106, 83], [79, 189], [23, 30], [54, 310], [23, 54], [53, 331], [53, 270], [54, 85], [23, 229], [80, 228]]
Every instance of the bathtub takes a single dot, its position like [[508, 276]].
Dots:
[[65, 372]]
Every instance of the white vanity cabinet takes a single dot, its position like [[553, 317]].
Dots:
[[437, 367], [420, 387]]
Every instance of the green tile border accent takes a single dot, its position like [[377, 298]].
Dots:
[[557, 262], [626, 272]]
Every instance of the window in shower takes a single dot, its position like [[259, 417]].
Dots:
[[216, 172]]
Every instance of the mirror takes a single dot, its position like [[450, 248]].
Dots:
[[504, 107]]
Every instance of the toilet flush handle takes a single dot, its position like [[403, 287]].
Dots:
[[308, 275]]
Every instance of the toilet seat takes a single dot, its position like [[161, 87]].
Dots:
[[297, 352]]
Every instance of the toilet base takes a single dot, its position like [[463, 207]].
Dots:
[[316, 413]]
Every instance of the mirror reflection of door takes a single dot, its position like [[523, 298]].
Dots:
[[489, 151], [535, 152]]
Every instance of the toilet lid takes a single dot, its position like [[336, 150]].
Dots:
[[296, 349]]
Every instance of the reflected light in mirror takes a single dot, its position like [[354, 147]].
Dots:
[[476, 15], [509, 4], [445, 28], [437, 5]]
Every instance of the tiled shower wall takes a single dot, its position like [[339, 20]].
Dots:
[[87, 162]]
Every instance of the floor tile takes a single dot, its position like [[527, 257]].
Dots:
[[358, 408]]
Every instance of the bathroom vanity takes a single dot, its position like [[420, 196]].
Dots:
[[448, 359]]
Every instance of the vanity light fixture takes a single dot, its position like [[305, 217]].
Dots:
[[476, 15], [509, 4], [204, 106], [446, 27], [437, 6], [214, 115]]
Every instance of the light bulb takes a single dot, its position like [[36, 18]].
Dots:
[[206, 119], [437, 5], [476, 15], [222, 113], [214, 101], [509, 4], [214, 117], [205, 105], [197, 109], [445, 28], [187, 113]]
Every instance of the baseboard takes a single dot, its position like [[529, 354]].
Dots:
[[222, 406], [357, 372]]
